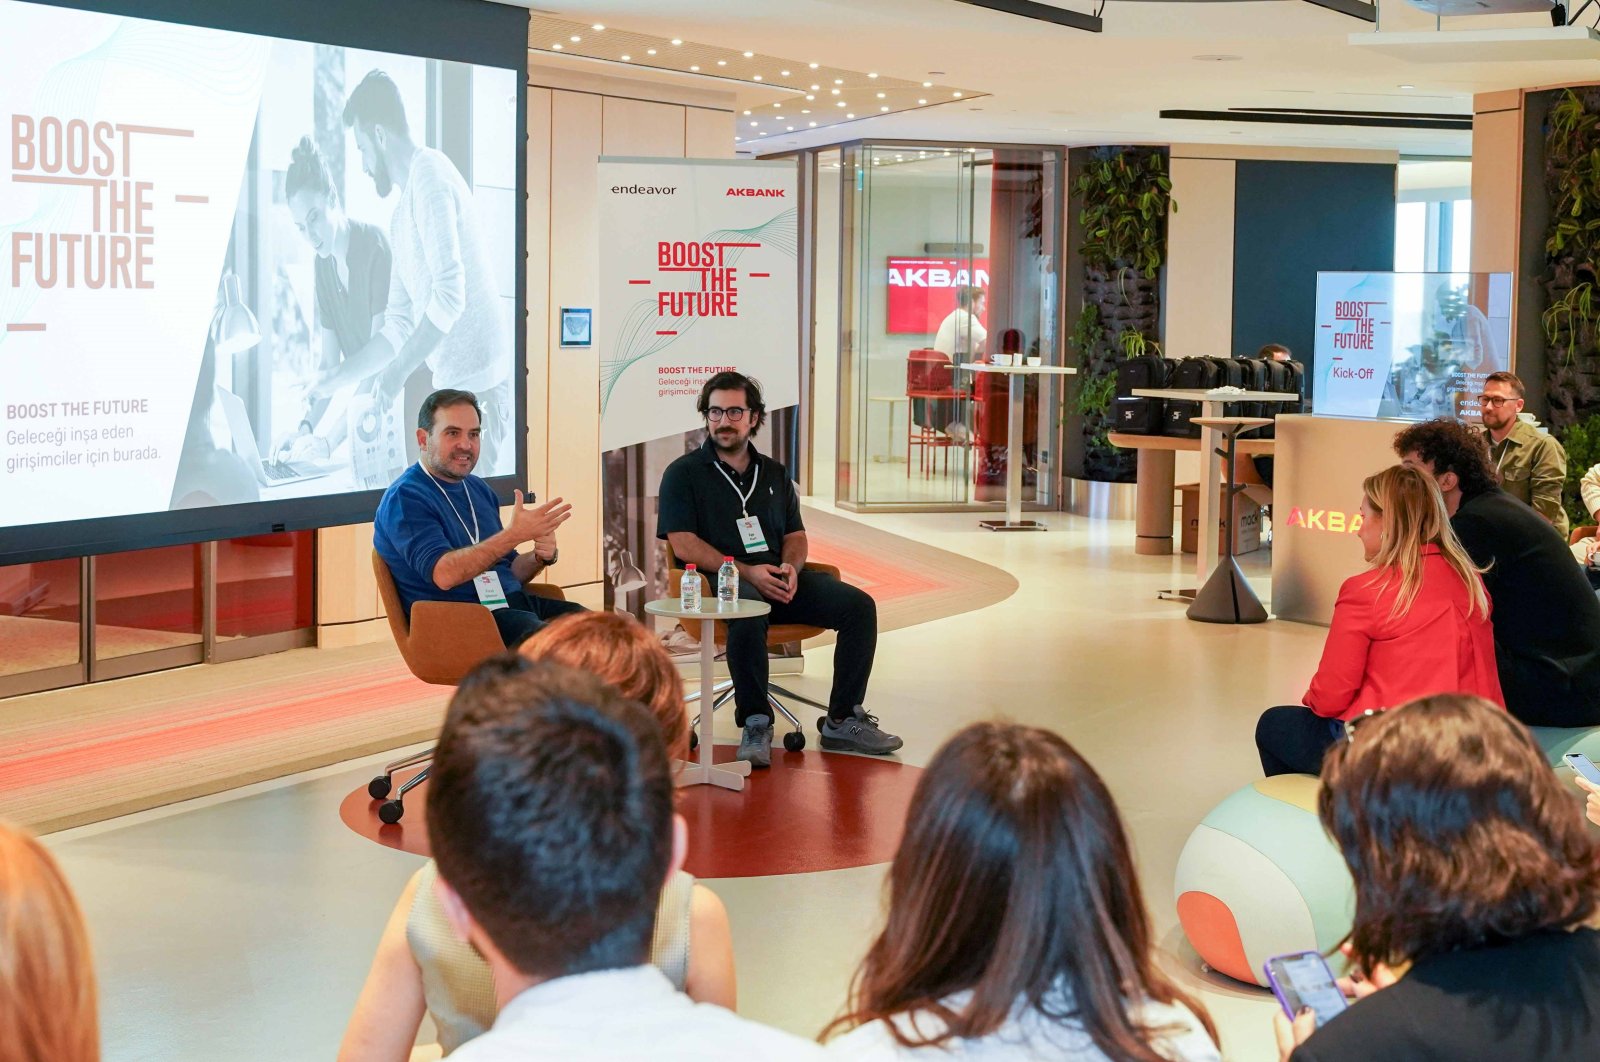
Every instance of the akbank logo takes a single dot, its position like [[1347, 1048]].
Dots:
[[1324, 520]]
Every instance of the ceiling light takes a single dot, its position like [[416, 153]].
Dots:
[[763, 134], [575, 38], [810, 97], [676, 41], [557, 47], [815, 88], [805, 112], [838, 81], [883, 95], [872, 75], [597, 27], [883, 108], [695, 68], [956, 94], [791, 128], [812, 124], [813, 66], [849, 116], [756, 78], [779, 117], [627, 58], [1408, 86], [927, 84], [722, 62], [755, 123], [777, 104], [835, 91], [746, 112], [650, 51], [783, 73], [839, 104], [922, 103], [749, 55]]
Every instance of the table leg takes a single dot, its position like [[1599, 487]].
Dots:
[[729, 775], [1153, 517], [1014, 520], [1209, 499]]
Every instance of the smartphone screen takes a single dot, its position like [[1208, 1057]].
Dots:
[[1304, 980], [1583, 765]]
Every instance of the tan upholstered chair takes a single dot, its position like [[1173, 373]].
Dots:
[[777, 634], [442, 641]]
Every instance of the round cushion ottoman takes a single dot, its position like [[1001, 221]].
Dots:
[[1557, 741], [1259, 877]]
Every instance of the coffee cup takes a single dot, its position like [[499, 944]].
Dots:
[[1036, 360]]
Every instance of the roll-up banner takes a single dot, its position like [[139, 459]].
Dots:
[[697, 274]]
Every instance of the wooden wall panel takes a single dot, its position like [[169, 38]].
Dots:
[[638, 127], [1199, 296], [708, 134], [1496, 185]]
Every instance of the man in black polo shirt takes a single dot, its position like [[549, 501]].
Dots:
[[726, 500], [1546, 619]]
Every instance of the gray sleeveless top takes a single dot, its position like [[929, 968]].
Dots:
[[458, 985]]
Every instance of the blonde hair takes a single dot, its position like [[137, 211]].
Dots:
[[1414, 516], [48, 1009]]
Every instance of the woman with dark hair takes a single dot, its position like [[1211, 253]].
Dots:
[[352, 284], [1475, 881], [1016, 928], [1414, 624]]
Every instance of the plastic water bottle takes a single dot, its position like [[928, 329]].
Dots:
[[727, 585], [689, 590]]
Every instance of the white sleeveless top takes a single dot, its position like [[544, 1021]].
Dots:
[[458, 985]]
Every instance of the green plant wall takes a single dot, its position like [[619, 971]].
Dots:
[[1125, 196]]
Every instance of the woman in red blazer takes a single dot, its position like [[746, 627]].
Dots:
[[1413, 625]]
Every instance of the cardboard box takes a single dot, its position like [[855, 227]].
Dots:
[[1246, 525]]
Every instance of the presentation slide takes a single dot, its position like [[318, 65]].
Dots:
[[1409, 346], [236, 264]]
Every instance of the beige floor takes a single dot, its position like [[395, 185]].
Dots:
[[239, 927]]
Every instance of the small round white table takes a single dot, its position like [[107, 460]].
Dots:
[[726, 775], [1015, 373]]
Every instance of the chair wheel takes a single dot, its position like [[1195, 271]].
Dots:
[[694, 740], [794, 741], [379, 787], [390, 811]]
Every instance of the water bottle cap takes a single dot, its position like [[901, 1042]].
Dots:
[[688, 567], [726, 559]]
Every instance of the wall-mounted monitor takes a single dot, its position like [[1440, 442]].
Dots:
[[241, 243]]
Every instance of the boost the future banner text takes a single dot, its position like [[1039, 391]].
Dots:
[[697, 274]]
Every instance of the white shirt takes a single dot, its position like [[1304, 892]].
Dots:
[[442, 272], [960, 333], [1027, 1035], [621, 1016]]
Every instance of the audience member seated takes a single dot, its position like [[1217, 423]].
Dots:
[[1531, 464], [1546, 618], [47, 987], [1589, 491], [1016, 928], [422, 965], [438, 527], [550, 815], [1416, 623], [1474, 876]]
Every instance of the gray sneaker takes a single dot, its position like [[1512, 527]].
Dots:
[[858, 733], [755, 747]]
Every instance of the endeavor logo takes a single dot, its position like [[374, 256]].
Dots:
[[642, 189], [770, 193], [1324, 520]]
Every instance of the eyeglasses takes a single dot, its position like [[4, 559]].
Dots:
[[733, 414], [1493, 400], [1351, 725]]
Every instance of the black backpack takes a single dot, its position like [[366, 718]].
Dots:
[[1200, 373], [1145, 371], [1138, 416]]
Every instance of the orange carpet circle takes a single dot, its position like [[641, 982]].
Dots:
[[811, 811]]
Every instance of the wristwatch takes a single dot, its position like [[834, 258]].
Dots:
[[555, 555]]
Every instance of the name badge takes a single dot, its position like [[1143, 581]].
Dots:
[[750, 534], [490, 593]]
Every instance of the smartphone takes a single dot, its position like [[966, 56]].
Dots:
[[1304, 980], [1583, 765]]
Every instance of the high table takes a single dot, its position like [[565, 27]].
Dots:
[[726, 775], [891, 401], [1211, 403], [1014, 520], [1157, 478]]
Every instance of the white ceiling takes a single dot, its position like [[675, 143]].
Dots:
[[1050, 84]]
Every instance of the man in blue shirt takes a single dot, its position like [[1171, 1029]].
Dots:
[[438, 527]]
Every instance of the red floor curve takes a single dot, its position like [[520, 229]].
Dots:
[[810, 811]]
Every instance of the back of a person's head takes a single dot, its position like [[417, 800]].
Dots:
[[1448, 445], [622, 651], [1274, 352], [1456, 830], [47, 988], [1014, 882], [550, 816], [1414, 516]]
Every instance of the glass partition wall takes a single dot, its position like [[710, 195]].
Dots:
[[948, 255]]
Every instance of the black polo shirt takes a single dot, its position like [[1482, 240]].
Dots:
[[1546, 619], [697, 497]]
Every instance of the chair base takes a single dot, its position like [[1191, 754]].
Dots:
[[1227, 598], [392, 811]]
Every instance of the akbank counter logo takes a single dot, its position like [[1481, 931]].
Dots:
[[1324, 520], [759, 193]]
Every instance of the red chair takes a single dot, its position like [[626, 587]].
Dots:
[[930, 378]]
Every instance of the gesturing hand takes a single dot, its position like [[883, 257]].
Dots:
[[769, 581], [1593, 806], [538, 522]]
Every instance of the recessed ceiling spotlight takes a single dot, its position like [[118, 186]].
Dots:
[[810, 97], [838, 81], [791, 128], [883, 108], [872, 75], [813, 66], [883, 95], [556, 46], [849, 116], [956, 94], [675, 40], [755, 123], [805, 112], [747, 112], [812, 124], [597, 27], [783, 73], [778, 104], [922, 103], [835, 91], [695, 68], [722, 62], [627, 58], [1408, 86], [927, 84], [839, 104], [756, 78], [749, 55], [763, 134], [575, 38], [779, 117], [1219, 58], [650, 51]]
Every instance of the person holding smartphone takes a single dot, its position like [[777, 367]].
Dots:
[[1477, 885], [1416, 623]]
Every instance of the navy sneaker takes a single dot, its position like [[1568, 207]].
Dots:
[[859, 732], [755, 747]]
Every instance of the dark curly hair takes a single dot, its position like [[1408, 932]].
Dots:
[[1450, 446], [1457, 832], [729, 380]]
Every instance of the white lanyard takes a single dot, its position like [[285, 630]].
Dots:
[[744, 496], [474, 531]]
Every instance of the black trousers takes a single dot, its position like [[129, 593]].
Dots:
[[524, 614], [820, 600], [1292, 739], [1538, 693]]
